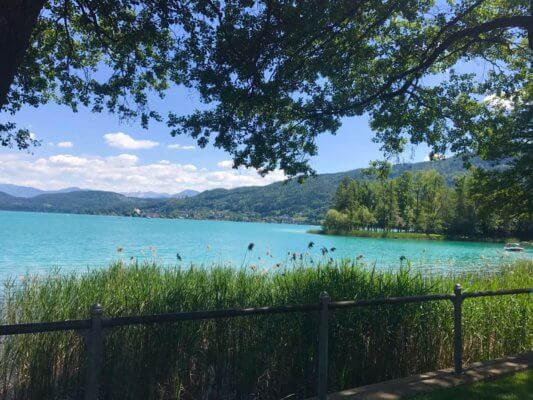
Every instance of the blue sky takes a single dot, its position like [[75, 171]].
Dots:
[[98, 151]]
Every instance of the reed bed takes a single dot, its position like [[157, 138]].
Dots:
[[261, 357]]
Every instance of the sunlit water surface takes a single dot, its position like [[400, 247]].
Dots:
[[40, 242]]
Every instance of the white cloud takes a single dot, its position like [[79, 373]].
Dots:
[[122, 173], [180, 147], [121, 140], [66, 160], [498, 102], [124, 159], [65, 144], [225, 164], [190, 167]]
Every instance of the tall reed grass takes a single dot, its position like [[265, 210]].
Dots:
[[261, 357]]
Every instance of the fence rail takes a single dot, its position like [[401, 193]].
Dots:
[[93, 327]]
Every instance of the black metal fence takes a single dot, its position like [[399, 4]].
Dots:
[[92, 329]]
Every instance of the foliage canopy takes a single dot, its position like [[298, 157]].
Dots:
[[275, 74]]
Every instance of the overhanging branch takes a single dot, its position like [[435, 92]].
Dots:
[[413, 73]]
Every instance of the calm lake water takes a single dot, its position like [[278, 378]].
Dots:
[[37, 242]]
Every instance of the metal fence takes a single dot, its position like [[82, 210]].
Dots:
[[92, 328]]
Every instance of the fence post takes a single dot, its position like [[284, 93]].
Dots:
[[458, 329], [323, 347], [94, 353]]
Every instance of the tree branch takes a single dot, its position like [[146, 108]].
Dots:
[[17, 21], [414, 72]]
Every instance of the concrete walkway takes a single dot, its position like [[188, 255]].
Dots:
[[405, 387]]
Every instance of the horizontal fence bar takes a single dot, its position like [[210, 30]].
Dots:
[[199, 315], [498, 292], [39, 327], [389, 300]]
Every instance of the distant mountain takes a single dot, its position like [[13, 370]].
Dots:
[[19, 191], [185, 193], [5, 198], [280, 201], [155, 195], [78, 202], [66, 190], [147, 195], [26, 191]]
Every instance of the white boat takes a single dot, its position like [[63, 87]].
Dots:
[[513, 247]]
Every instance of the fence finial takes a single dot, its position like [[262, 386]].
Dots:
[[97, 309]]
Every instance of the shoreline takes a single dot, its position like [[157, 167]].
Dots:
[[415, 236], [259, 220]]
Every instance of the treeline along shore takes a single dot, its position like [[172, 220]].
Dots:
[[421, 205], [261, 357]]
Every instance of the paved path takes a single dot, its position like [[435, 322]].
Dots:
[[404, 387]]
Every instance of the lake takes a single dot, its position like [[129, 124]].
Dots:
[[39, 242]]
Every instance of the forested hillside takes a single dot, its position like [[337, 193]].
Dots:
[[282, 201], [81, 202], [288, 201], [422, 203]]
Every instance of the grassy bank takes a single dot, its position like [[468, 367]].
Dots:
[[262, 357], [516, 387], [382, 234], [411, 235]]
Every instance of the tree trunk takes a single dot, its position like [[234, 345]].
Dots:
[[17, 20]]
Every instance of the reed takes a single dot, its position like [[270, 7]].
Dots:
[[261, 357]]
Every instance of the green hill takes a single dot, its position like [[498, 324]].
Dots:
[[81, 202], [280, 202], [285, 201]]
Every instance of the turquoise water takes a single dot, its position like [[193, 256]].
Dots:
[[37, 242]]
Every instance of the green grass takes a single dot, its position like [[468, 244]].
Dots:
[[413, 235], [262, 357], [516, 387], [384, 234]]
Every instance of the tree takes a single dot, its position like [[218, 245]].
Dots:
[[424, 204], [342, 195], [406, 200], [104, 54], [379, 169], [291, 71], [386, 211], [464, 218], [432, 204], [274, 74], [336, 221]]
